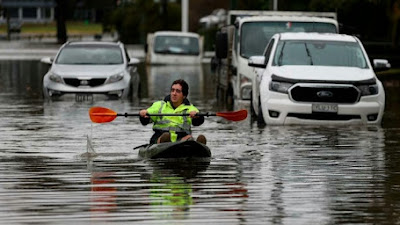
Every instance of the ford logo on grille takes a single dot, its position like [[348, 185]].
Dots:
[[324, 94]]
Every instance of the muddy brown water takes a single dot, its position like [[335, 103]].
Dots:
[[56, 167]]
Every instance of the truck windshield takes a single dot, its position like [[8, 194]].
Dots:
[[255, 35], [319, 53], [177, 45]]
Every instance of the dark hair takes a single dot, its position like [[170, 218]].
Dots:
[[185, 86]]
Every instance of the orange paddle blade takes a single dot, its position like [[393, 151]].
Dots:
[[233, 116], [101, 115]]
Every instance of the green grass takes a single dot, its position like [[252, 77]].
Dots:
[[50, 28], [390, 72]]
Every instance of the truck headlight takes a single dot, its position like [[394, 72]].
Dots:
[[115, 78], [245, 87], [368, 89], [245, 92], [282, 87]]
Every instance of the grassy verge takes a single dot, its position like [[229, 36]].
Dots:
[[389, 73], [75, 27]]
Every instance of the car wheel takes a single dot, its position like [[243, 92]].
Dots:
[[45, 94], [114, 97]]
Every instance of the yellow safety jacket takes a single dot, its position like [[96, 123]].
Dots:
[[173, 124]]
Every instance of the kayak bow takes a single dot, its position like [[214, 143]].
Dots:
[[179, 149]]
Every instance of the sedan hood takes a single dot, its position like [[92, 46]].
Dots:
[[323, 73], [90, 71]]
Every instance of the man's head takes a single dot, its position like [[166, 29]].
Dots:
[[184, 86], [179, 91]]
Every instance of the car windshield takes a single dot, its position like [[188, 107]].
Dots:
[[256, 35], [319, 53], [176, 45], [90, 54]]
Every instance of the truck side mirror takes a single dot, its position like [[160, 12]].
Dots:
[[257, 61], [221, 48], [133, 62], [381, 65]]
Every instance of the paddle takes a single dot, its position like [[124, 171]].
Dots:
[[105, 115]]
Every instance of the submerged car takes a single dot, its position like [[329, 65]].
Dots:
[[91, 68], [173, 47], [317, 78]]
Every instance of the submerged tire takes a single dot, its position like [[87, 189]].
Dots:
[[230, 101], [252, 111], [260, 117]]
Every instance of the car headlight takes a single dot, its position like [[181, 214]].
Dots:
[[55, 78], [282, 87], [115, 78], [368, 89]]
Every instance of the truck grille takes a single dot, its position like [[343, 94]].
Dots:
[[92, 82], [325, 93]]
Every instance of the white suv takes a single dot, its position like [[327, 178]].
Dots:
[[85, 69], [317, 78]]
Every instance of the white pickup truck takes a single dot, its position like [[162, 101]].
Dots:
[[317, 78], [247, 36], [173, 47]]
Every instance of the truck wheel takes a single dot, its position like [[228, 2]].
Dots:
[[260, 117], [218, 94], [252, 111], [229, 99]]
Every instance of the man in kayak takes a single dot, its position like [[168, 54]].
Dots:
[[173, 128]]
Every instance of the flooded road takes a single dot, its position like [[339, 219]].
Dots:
[[56, 167]]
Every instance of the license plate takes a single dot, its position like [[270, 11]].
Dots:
[[329, 108], [83, 97]]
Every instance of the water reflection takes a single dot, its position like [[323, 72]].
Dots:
[[103, 193], [22, 78], [173, 188], [159, 80], [333, 169]]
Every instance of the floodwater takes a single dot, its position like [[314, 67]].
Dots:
[[56, 167]]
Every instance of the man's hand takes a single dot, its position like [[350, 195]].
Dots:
[[143, 113], [192, 114]]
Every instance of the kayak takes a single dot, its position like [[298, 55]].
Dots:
[[179, 149]]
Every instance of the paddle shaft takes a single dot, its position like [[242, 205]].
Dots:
[[165, 114], [104, 115]]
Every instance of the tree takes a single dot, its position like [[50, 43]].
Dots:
[[134, 20], [61, 18], [395, 17], [103, 9]]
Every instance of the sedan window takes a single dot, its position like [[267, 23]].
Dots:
[[319, 53], [98, 55]]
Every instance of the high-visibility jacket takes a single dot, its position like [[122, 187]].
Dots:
[[173, 124]]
